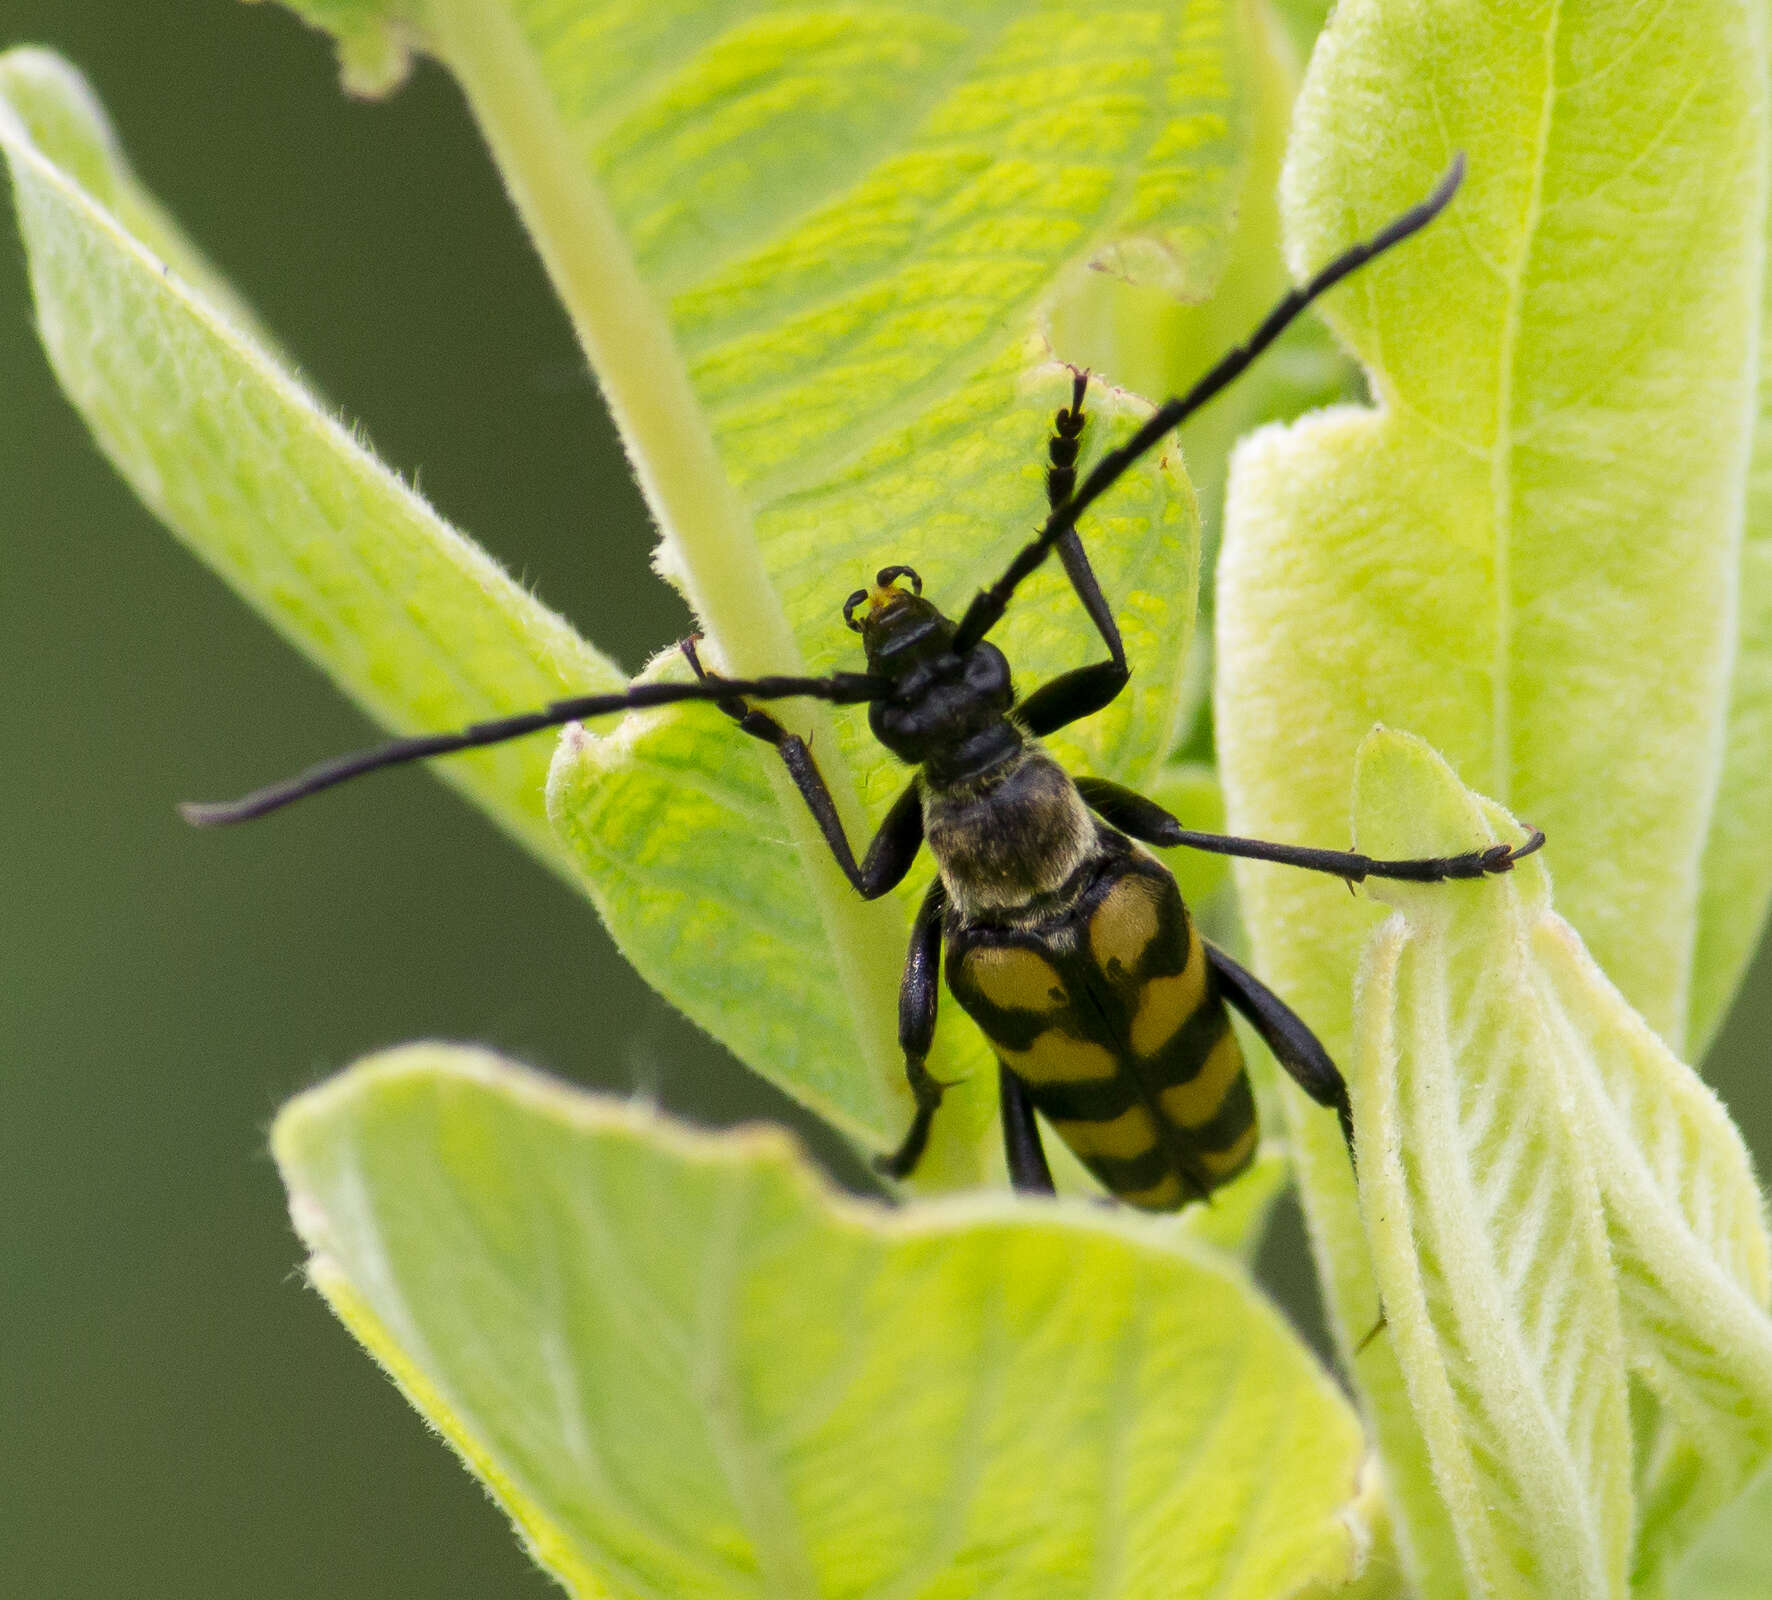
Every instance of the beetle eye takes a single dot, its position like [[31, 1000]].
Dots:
[[887, 574], [849, 606]]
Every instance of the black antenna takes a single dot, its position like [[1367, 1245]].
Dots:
[[846, 688], [842, 688], [988, 606]]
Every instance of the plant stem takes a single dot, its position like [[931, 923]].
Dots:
[[708, 541]]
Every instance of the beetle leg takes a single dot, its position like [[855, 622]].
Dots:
[[894, 846], [1285, 1033], [918, 995], [1076, 694], [1026, 1156], [1147, 821]]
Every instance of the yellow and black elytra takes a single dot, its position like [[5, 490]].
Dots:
[[1067, 942], [1109, 1015]]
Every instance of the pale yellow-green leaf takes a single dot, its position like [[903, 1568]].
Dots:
[[242, 462], [700, 881], [684, 1368], [1528, 553], [1483, 1209], [1689, 1247], [1552, 1198], [683, 846], [1381, 1575], [1158, 344]]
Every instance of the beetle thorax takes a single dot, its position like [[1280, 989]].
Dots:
[[1008, 844]]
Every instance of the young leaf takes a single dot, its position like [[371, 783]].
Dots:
[[1484, 1216], [249, 470], [1686, 1227], [1528, 554], [682, 1367], [1550, 1196]]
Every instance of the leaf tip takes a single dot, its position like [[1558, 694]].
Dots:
[[373, 67], [1409, 802], [47, 103], [374, 51]]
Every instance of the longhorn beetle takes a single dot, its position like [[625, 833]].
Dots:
[[1067, 943]]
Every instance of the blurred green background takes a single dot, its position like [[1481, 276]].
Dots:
[[179, 1415]]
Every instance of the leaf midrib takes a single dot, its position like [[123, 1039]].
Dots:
[[709, 534]]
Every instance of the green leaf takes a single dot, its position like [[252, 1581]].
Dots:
[[1528, 554], [247, 467], [1157, 341], [1551, 1196], [1686, 1229], [684, 1368], [810, 254]]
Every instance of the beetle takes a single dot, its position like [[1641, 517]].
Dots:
[[1067, 941]]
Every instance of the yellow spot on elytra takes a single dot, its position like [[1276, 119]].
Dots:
[[1194, 1102], [1124, 924], [1055, 1057], [1015, 979], [1224, 1163], [1129, 1134], [1164, 1004], [1162, 1196]]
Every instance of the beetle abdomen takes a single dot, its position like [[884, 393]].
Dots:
[[1110, 1014]]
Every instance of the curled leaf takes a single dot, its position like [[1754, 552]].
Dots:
[[1553, 1201]]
